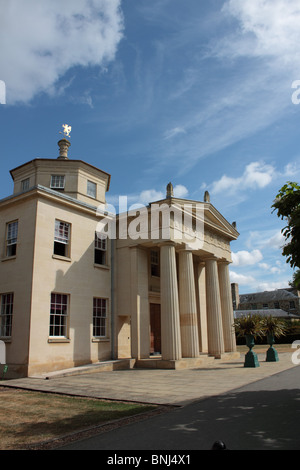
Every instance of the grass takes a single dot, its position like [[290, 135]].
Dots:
[[29, 418]]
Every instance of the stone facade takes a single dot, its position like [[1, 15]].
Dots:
[[71, 296]]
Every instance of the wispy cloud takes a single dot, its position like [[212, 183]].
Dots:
[[222, 113], [173, 132]]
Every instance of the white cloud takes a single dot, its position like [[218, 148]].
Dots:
[[272, 285], [143, 198], [150, 195], [41, 41], [246, 258], [264, 266], [268, 28], [256, 175], [180, 191], [241, 279], [270, 269], [276, 241]]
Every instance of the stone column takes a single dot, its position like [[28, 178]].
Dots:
[[214, 316], [139, 303], [227, 308], [170, 325], [187, 306], [202, 325]]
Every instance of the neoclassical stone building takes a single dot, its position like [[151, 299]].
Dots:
[[176, 288], [80, 286]]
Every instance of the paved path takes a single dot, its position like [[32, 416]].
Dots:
[[246, 408], [263, 415], [172, 387]]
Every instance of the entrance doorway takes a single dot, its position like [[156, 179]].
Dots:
[[155, 329]]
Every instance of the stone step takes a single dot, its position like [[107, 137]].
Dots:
[[104, 366], [185, 363]]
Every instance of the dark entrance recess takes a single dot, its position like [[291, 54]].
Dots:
[[155, 329]]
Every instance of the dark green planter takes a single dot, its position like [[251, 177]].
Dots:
[[251, 357], [272, 355]]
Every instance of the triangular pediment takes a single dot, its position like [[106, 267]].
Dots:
[[213, 219]]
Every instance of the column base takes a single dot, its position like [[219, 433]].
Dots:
[[227, 356], [184, 363]]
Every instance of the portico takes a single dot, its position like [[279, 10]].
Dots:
[[174, 294]]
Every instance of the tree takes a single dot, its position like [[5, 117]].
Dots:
[[295, 283], [287, 204]]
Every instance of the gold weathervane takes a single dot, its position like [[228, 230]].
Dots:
[[67, 130]]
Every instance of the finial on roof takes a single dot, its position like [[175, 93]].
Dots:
[[206, 196], [64, 144], [170, 192]]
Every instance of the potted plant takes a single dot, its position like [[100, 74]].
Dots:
[[249, 326], [273, 327]]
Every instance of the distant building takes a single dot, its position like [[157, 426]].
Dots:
[[284, 300]]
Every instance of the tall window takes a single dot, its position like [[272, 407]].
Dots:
[[91, 189], [62, 238], [6, 313], [58, 315], [25, 184], [99, 317], [100, 249], [155, 268], [57, 182], [11, 238]]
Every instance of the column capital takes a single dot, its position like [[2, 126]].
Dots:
[[211, 258], [184, 247], [224, 261], [166, 243]]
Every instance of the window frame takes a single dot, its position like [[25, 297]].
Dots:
[[100, 317], [155, 263], [25, 184], [12, 242], [91, 192], [6, 318], [57, 182], [59, 322], [100, 246], [60, 240]]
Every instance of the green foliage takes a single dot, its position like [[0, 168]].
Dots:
[[274, 326], [296, 280], [249, 325], [259, 326], [287, 205]]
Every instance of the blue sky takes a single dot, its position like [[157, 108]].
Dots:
[[196, 92]]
